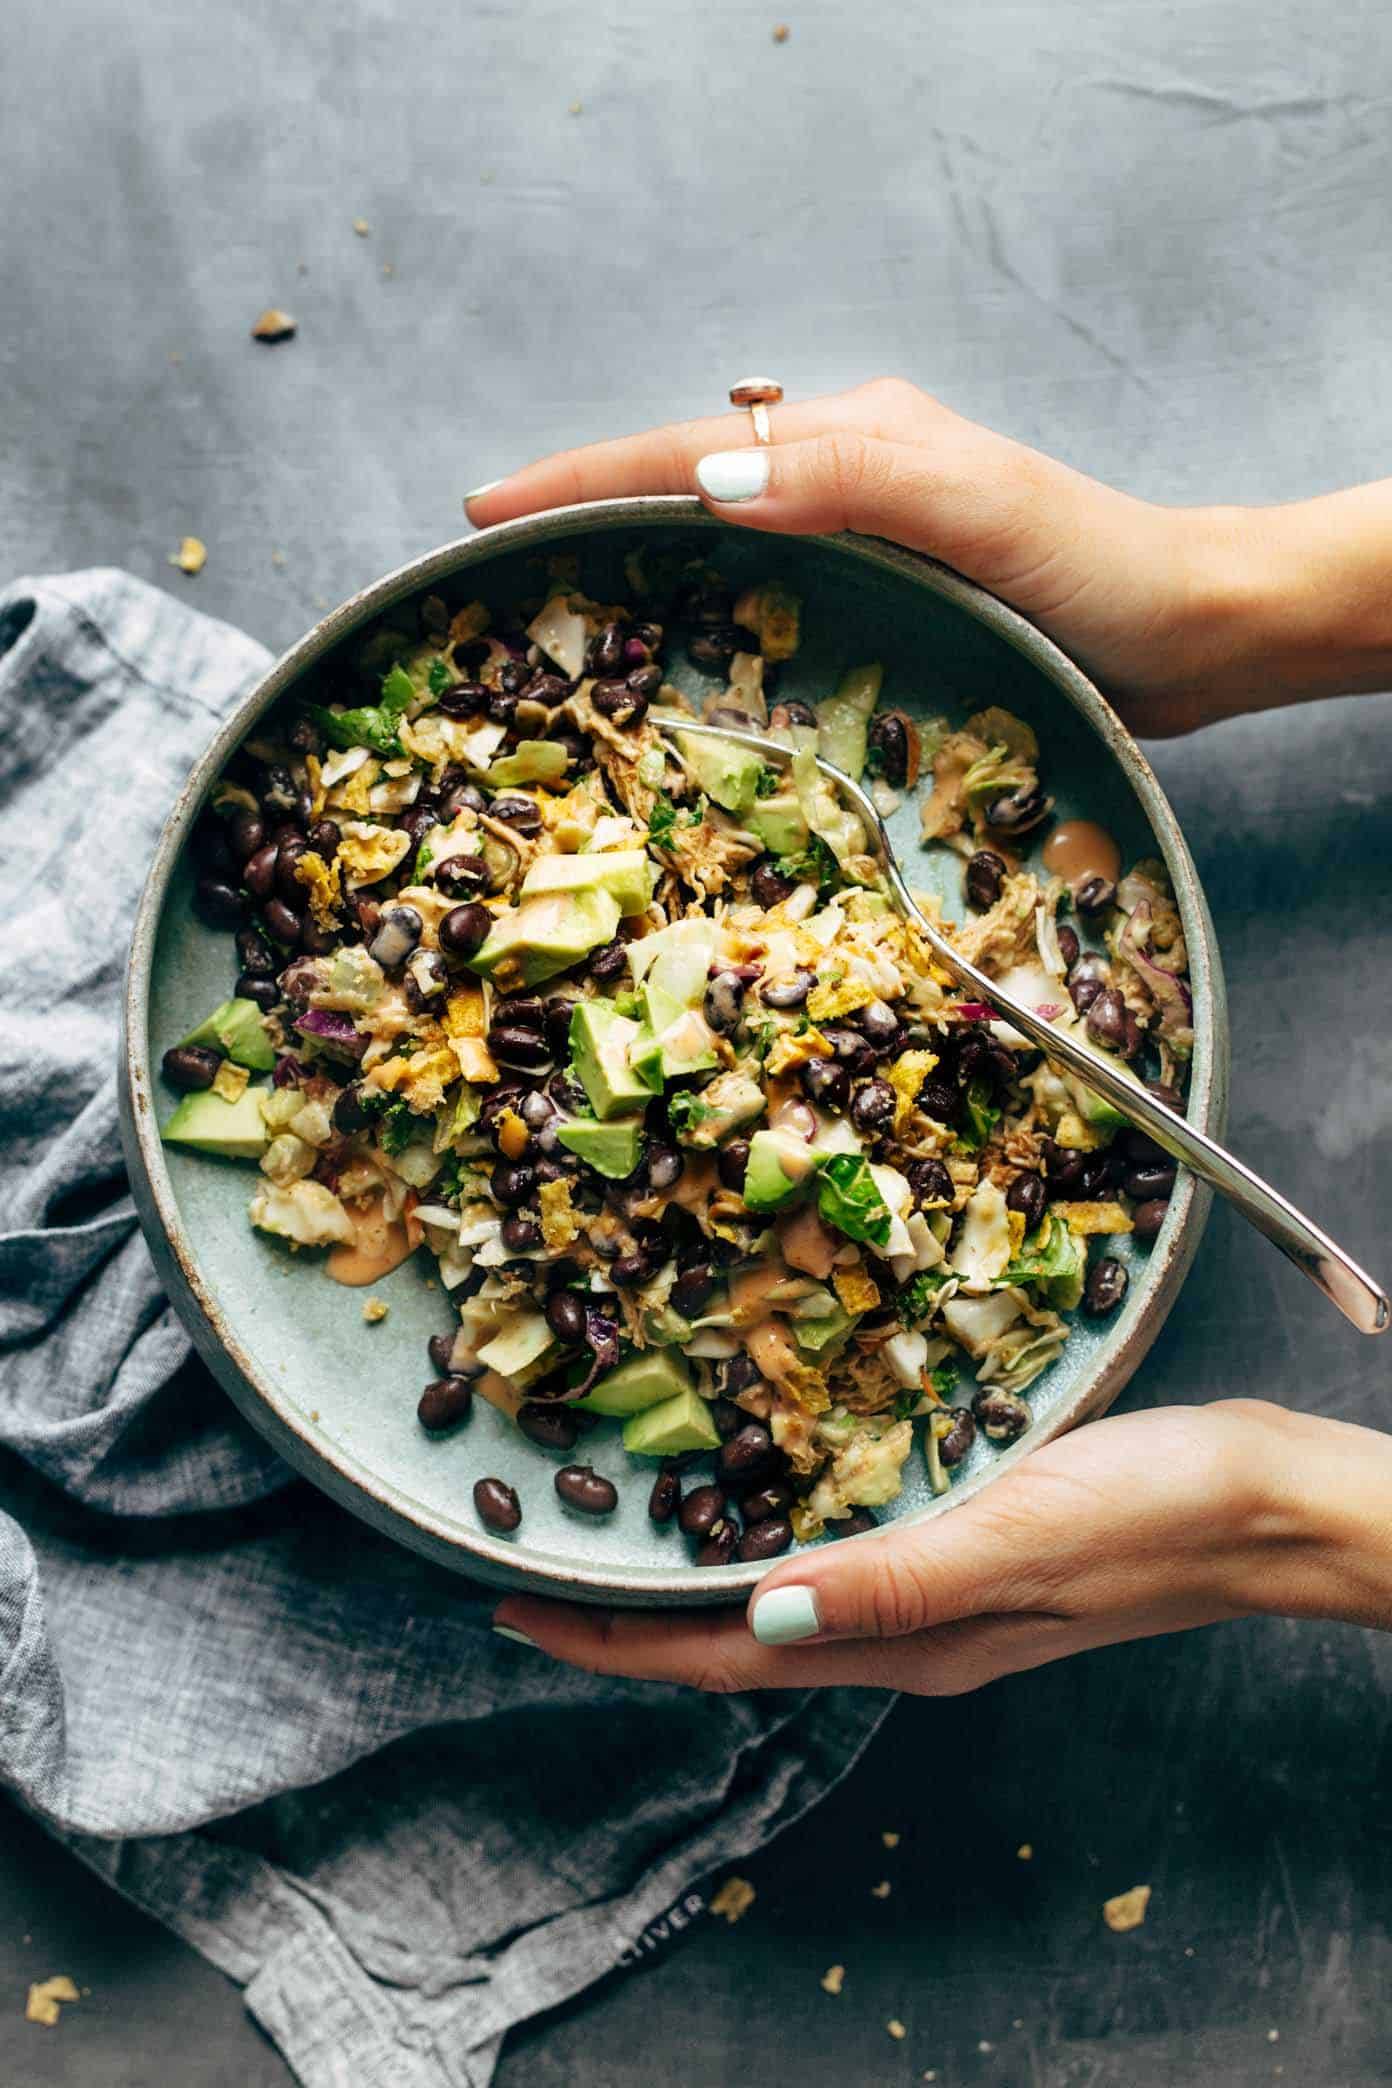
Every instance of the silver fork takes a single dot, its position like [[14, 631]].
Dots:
[[1341, 1279]]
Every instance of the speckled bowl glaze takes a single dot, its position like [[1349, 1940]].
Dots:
[[337, 1398]]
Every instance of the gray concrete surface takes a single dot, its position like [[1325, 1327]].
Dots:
[[1151, 241]]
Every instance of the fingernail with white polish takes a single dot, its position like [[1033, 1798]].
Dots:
[[519, 1638], [733, 475], [785, 1615], [479, 492]]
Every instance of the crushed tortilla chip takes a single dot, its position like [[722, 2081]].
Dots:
[[807, 1524], [1127, 1910], [464, 1012], [833, 997], [1015, 1226], [273, 325], [354, 793], [1078, 1136], [362, 228], [469, 622], [511, 1135], [560, 1222], [324, 884], [734, 1899], [44, 1997], [896, 2028], [791, 1050], [314, 774], [191, 556], [420, 1080], [833, 1979], [906, 1076], [375, 1311], [891, 1841], [230, 1081], [856, 1289], [476, 1061], [1025, 1851], [882, 1890], [370, 853], [777, 617], [1088, 1218]]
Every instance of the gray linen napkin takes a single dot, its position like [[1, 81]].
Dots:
[[299, 1746]]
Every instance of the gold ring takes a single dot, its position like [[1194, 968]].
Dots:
[[758, 394]]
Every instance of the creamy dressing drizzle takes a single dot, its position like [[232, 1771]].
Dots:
[[1079, 848], [379, 1247]]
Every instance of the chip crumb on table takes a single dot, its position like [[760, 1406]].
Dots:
[[890, 1840], [833, 1979], [734, 1899], [375, 1311], [191, 556], [1127, 1910], [44, 1998], [273, 325], [1025, 1851], [896, 2028], [882, 1890], [781, 32], [362, 228]]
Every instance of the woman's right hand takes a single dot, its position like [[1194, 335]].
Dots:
[[1150, 600]]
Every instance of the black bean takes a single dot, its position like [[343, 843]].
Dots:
[[1106, 1017], [461, 876], [930, 1182], [522, 814], [1003, 1415], [853, 1051], [746, 1459], [287, 830], [253, 952], [464, 930], [548, 1424], [1018, 810], [1148, 1183], [719, 1547], [985, 870], [880, 1024], [280, 793], [1095, 895], [501, 706], [768, 886], [1140, 1148], [852, 1525], [1086, 979], [581, 1487], [287, 884], [665, 1498], [566, 1092], [246, 833], [511, 1183], [349, 1114], [739, 1373], [723, 1002], [645, 679], [608, 962], [701, 1508], [937, 1100], [825, 1082], [765, 1540], [1028, 1196], [514, 1045], [440, 1347], [1070, 949], [398, 932], [606, 650], [463, 699], [514, 675], [790, 992], [565, 1316], [217, 903], [873, 1105], [425, 980], [665, 1166], [767, 1505], [324, 837], [469, 654], [630, 1271], [253, 986], [953, 1447], [519, 1234], [1105, 1287], [286, 927], [732, 1164], [1168, 1097], [692, 1292], [190, 1067], [1147, 1218], [444, 1404], [497, 1504], [726, 1416], [537, 1109], [1064, 1168], [1101, 1172], [461, 797]]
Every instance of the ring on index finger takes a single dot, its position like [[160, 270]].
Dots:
[[758, 394]]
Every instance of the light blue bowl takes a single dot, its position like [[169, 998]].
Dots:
[[336, 1397]]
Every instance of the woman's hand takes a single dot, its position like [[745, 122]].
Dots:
[[1182, 615], [1138, 1524]]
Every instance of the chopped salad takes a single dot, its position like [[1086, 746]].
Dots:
[[621, 1026]]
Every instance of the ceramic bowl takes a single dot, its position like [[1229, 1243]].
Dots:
[[337, 1398]]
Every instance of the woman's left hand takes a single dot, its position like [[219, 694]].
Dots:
[[1134, 1525]]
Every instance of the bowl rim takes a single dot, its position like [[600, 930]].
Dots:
[[347, 1479]]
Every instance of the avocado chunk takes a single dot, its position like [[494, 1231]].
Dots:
[[626, 874], [780, 823], [675, 1039], [546, 934], [611, 1149], [237, 1130], [682, 1422], [645, 1380], [235, 1029], [600, 1042], [780, 1166], [726, 772], [519, 1352], [1095, 1109]]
